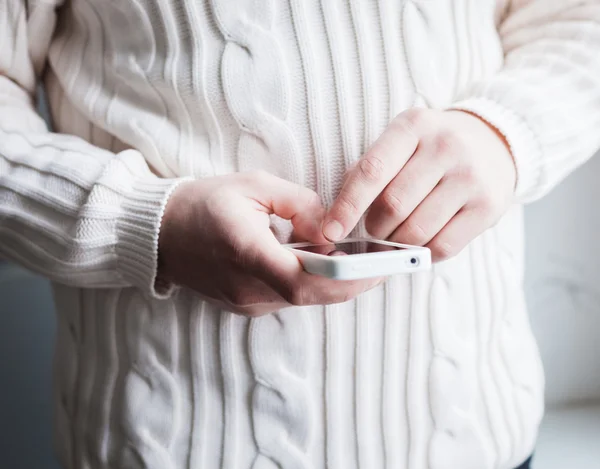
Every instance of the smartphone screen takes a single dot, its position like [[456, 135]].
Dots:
[[349, 247]]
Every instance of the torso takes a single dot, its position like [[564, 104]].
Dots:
[[435, 371]]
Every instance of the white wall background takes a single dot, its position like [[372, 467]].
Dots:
[[563, 285]]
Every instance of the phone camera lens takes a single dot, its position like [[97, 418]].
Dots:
[[414, 261]]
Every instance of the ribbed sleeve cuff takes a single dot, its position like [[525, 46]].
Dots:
[[138, 227], [524, 145]]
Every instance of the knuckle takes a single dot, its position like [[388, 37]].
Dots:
[[286, 292], [393, 205], [239, 295], [371, 167], [442, 250], [446, 142], [416, 233], [296, 296], [348, 205], [238, 298], [469, 175], [412, 118], [488, 205]]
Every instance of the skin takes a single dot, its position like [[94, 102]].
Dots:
[[433, 178], [215, 239]]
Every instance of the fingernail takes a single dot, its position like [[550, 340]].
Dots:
[[333, 230]]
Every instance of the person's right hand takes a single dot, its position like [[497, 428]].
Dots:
[[215, 238]]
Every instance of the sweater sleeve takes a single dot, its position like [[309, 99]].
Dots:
[[545, 99], [72, 212]]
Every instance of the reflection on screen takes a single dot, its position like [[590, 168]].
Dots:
[[350, 247]]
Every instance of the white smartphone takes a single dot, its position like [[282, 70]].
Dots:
[[357, 258]]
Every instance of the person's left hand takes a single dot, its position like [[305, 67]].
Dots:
[[433, 178]]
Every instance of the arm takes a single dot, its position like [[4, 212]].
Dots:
[[90, 218], [546, 98], [441, 178], [69, 211]]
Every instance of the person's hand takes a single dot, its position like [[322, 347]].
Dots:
[[215, 238], [433, 178]]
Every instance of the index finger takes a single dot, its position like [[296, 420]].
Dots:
[[369, 177]]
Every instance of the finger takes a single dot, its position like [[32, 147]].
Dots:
[[287, 277], [370, 176], [454, 237], [277, 266], [243, 291], [234, 288], [432, 214], [408, 189], [322, 292], [316, 290], [281, 270], [289, 201], [323, 249]]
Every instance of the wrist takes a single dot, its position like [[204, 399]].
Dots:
[[138, 229], [496, 141], [171, 228], [523, 143]]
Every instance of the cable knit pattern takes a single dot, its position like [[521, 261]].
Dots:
[[434, 371], [149, 383], [255, 86], [257, 92], [453, 382], [282, 414]]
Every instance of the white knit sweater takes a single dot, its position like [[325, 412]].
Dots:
[[435, 371]]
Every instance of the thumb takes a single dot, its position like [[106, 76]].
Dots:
[[308, 225], [299, 204]]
